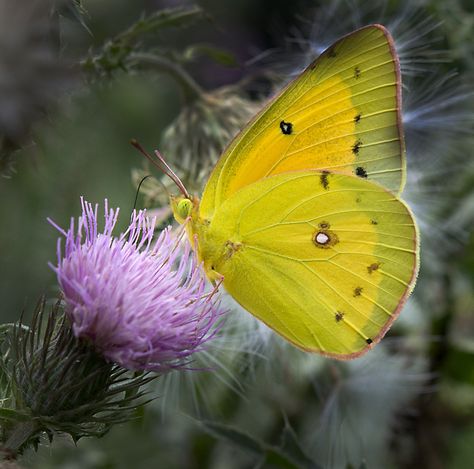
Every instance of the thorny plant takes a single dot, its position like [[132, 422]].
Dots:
[[53, 382]]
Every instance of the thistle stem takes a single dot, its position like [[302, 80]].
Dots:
[[189, 86], [21, 433]]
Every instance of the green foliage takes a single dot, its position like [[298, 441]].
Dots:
[[116, 53]]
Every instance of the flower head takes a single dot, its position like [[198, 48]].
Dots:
[[141, 303]]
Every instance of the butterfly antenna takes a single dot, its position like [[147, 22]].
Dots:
[[158, 161], [138, 190], [172, 174]]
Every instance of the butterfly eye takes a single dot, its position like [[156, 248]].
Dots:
[[184, 208]]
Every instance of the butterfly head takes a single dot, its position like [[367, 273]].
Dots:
[[183, 207]]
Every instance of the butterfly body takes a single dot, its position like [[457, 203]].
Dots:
[[301, 218]]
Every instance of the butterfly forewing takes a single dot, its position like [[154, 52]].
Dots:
[[326, 260], [342, 114]]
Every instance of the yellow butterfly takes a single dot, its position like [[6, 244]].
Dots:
[[301, 218]]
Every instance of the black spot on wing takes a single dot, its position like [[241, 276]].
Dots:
[[332, 53], [369, 340], [339, 316], [357, 118], [324, 179], [373, 267], [356, 73], [357, 291], [361, 172], [286, 128], [356, 147]]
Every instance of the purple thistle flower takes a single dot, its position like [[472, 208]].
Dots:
[[142, 304]]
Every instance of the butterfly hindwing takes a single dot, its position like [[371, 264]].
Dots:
[[326, 260], [341, 114]]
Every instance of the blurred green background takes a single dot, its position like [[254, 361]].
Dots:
[[71, 98]]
